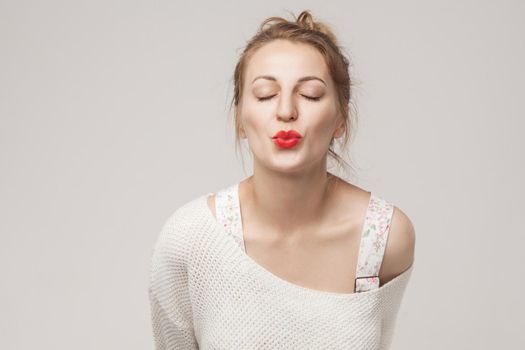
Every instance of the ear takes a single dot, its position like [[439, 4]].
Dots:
[[339, 131], [240, 129], [242, 133]]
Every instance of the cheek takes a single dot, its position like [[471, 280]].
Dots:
[[254, 128], [251, 123], [253, 120], [323, 126]]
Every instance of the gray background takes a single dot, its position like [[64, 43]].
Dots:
[[100, 106]]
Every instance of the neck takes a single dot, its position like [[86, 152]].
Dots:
[[286, 203]]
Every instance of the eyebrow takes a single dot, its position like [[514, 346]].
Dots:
[[300, 80]]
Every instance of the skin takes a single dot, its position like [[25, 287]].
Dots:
[[295, 225]]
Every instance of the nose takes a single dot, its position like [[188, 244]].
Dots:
[[286, 109]]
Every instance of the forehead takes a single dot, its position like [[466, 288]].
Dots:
[[286, 60]]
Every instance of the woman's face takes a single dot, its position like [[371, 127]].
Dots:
[[276, 97]]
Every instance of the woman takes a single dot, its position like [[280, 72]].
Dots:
[[293, 256]]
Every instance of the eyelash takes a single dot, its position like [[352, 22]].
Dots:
[[307, 97]]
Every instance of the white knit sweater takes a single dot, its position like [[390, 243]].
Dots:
[[206, 293]]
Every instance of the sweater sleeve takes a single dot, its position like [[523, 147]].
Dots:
[[170, 304]]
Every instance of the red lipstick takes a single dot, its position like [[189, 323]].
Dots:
[[287, 139]]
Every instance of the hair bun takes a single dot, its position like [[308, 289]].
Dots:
[[305, 20]]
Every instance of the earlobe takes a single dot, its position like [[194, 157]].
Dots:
[[242, 134]]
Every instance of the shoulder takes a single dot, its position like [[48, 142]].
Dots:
[[400, 246], [186, 215], [399, 251], [181, 227]]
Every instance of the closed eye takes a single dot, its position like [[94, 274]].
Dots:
[[312, 98], [270, 97], [264, 98]]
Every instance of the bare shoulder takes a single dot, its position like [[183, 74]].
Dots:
[[399, 251], [211, 204]]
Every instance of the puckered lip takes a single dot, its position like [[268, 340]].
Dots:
[[287, 134]]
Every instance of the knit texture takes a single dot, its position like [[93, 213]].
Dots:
[[207, 293]]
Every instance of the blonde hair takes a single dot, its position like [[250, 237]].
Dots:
[[302, 29]]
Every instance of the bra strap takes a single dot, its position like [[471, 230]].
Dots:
[[373, 242], [227, 209]]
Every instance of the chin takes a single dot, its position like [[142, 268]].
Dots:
[[287, 164]]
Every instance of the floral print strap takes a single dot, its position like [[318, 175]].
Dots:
[[227, 208], [373, 242]]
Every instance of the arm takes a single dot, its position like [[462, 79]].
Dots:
[[170, 303], [170, 334]]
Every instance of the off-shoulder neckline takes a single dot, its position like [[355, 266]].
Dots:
[[279, 282]]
